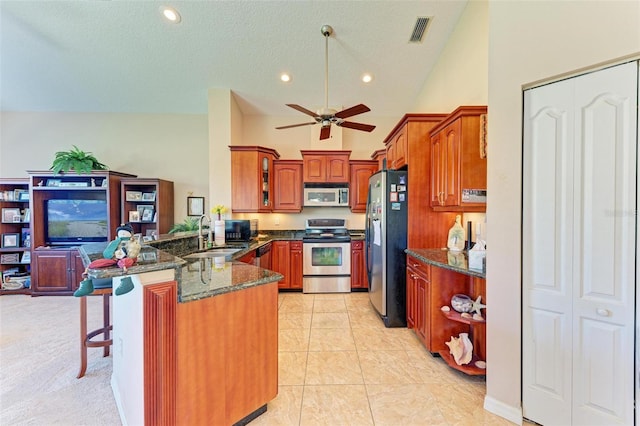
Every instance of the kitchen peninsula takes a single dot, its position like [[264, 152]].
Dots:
[[195, 342]]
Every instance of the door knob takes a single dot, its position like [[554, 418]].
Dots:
[[603, 312]]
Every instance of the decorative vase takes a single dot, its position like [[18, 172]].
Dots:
[[461, 303], [219, 231], [455, 241]]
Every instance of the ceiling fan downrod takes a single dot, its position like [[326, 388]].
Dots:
[[326, 30]]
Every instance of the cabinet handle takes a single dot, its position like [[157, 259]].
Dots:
[[603, 312]]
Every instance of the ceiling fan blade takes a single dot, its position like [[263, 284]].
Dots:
[[325, 132], [354, 110], [302, 110], [357, 126], [295, 125]]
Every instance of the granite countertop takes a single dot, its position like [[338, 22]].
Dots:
[[197, 278], [202, 277], [443, 258]]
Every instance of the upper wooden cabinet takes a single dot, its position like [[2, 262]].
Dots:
[[287, 186], [360, 172], [252, 178], [326, 166], [397, 149], [458, 161], [380, 156]]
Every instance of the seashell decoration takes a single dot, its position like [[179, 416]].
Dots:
[[465, 315], [461, 348], [478, 317], [445, 308]]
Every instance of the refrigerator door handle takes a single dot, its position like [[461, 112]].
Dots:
[[367, 236]]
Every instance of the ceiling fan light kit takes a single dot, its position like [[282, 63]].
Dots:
[[326, 116]]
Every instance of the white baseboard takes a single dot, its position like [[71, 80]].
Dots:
[[513, 414]]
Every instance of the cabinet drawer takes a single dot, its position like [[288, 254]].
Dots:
[[357, 244], [419, 267], [295, 245]]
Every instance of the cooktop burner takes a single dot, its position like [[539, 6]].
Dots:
[[326, 230]]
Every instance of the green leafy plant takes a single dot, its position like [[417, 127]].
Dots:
[[77, 160], [189, 224]]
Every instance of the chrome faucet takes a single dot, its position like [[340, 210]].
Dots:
[[201, 245]]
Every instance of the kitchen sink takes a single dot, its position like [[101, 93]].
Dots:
[[223, 252]]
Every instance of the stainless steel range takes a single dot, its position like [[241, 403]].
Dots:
[[326, 249]]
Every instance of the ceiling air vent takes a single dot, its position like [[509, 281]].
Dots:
[[420, 28]]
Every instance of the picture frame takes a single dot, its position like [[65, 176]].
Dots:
[[149, 196], [25, 237], [147, 215], [142, 207], [195, 206], [26, 218], [148, 255], [133, 195], [9, 213], [54, 182], [17, 219], [21, 195], [10, 240], [134, 216]]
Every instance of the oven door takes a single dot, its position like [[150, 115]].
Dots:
[[326, 258]]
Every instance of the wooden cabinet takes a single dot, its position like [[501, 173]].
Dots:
[[95, 197], [248, 258], [428, 289], [360, 171], [380, 156], [287, 186], [326, 166], [56, 271], [15, 233], [459, 164], [147, 204], [358, 266], [397, 149], [295, 264], [417, 296], [286, 259], [252, 178], [426, 228]]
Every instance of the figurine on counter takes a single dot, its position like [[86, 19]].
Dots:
[[455, 241], [123, 252]]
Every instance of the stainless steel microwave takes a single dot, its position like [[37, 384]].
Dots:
[[323, 195]]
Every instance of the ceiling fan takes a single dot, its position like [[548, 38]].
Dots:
[[326, 115]]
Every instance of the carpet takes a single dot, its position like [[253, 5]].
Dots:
[[39, 361]]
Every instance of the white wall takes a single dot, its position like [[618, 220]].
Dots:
[[530, 41], [166, 146]]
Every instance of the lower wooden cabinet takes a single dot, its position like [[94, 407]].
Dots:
[[286, 259], [358, 266], [248, 258], [56, 272]]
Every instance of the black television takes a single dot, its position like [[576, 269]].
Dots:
[[72, 222]]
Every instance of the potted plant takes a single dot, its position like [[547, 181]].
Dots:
[[189, 224], [76, 160]]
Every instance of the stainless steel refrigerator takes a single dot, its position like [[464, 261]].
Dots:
[[386, 240]]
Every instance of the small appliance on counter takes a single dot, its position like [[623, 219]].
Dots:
[[241, 230]]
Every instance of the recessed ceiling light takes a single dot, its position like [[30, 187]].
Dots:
[[171, 14], [285, 77], [367, 78]]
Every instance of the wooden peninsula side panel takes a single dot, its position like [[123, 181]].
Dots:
[[227, 355]]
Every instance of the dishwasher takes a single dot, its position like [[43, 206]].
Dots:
[[263, 256]]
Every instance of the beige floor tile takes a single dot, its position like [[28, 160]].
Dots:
[[375, 339], [365, 319], [287, 320], [397, 405], [333, 368], [329, 305], [292, 367], [330, 320], [296, 304], [331, 339], [335, 405], [293, 340], [387, 367], [284, 410], [329, 296], [403, 337]]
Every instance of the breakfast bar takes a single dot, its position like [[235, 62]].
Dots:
[[195, 341]]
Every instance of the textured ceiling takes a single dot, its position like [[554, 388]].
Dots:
[[121, 56]]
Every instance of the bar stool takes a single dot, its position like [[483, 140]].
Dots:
[[104, 288]]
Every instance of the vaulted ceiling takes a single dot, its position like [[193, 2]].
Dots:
[[123, 56]]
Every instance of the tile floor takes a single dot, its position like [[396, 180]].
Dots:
[[339, 365]]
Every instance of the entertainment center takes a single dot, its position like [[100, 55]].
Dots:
[[68, 210]]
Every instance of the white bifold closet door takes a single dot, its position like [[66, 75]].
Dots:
[[579, 248]]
